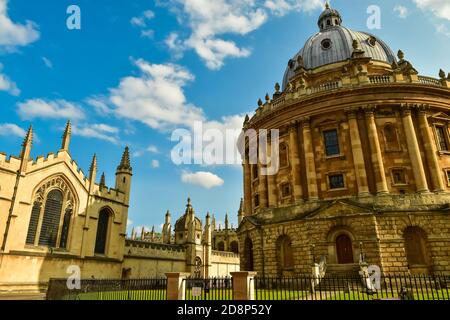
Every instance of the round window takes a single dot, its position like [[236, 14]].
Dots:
[[326, 44], [372, 41]]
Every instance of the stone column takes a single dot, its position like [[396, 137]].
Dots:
[[376, 156], [294, 160], [243, 285], [414, 151], [262, 187], [358, 156], [247, 187], [272, 197], [176, 285], [431, 151], [310, 165]]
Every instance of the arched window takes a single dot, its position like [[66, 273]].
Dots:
[[391, 138], [285, 254], [284, 155], [51, 219], [65, 228], [234, 247], [34, 220], [102, 231], [415, 246], [221, 246], [248, 253]]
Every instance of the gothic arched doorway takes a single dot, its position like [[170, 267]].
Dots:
[[344, 249]]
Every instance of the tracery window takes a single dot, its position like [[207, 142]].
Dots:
[[51, 215]]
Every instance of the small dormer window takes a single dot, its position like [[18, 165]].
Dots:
[[328, 23], [326, 44]]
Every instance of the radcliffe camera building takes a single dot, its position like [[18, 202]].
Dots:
[[364, 162]]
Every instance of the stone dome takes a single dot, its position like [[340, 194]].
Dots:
[[334, 43]]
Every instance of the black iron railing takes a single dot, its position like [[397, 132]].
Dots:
[[351, 287], [209, 289], [133, 289]]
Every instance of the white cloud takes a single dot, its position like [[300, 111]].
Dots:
[[156, 97], [11, 129], [40, 108], [148, 33], [442, 28], [6, 84], [209, 20], [100, 104], [97, 131], [155, 164], [48, 63], [203, 179], [440, 8], [152, 149], [141, 22], [402, 11], [15, 34]]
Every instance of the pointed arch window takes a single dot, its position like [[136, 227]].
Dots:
[[102, 232], [51, 219], [51, 215]]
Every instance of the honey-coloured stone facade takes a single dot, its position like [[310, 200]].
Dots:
[[364, 165]]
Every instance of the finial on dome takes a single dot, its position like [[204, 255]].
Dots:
[[327, 4]]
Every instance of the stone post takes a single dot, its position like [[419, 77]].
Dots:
[[414, 151], [243, 285], [358, 156], [376, 156], [431, 152], [176, 285], [310, 164]]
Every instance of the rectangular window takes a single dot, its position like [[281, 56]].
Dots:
[[336, 181], [448, 177], [286, 190], [442, 138], [399, 176], [331, 142]]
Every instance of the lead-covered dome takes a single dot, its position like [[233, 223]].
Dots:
[[334, 43]]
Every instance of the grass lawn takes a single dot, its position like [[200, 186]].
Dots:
[[353, 295], [262, 294]]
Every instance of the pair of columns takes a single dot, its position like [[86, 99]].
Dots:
[[267, 183]]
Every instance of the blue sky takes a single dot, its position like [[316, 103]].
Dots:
[[139, 69]]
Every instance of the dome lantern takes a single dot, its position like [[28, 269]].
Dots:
[[329, 18]]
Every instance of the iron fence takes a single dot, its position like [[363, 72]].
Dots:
[[351, 287], [209, 288], [132, 289]]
